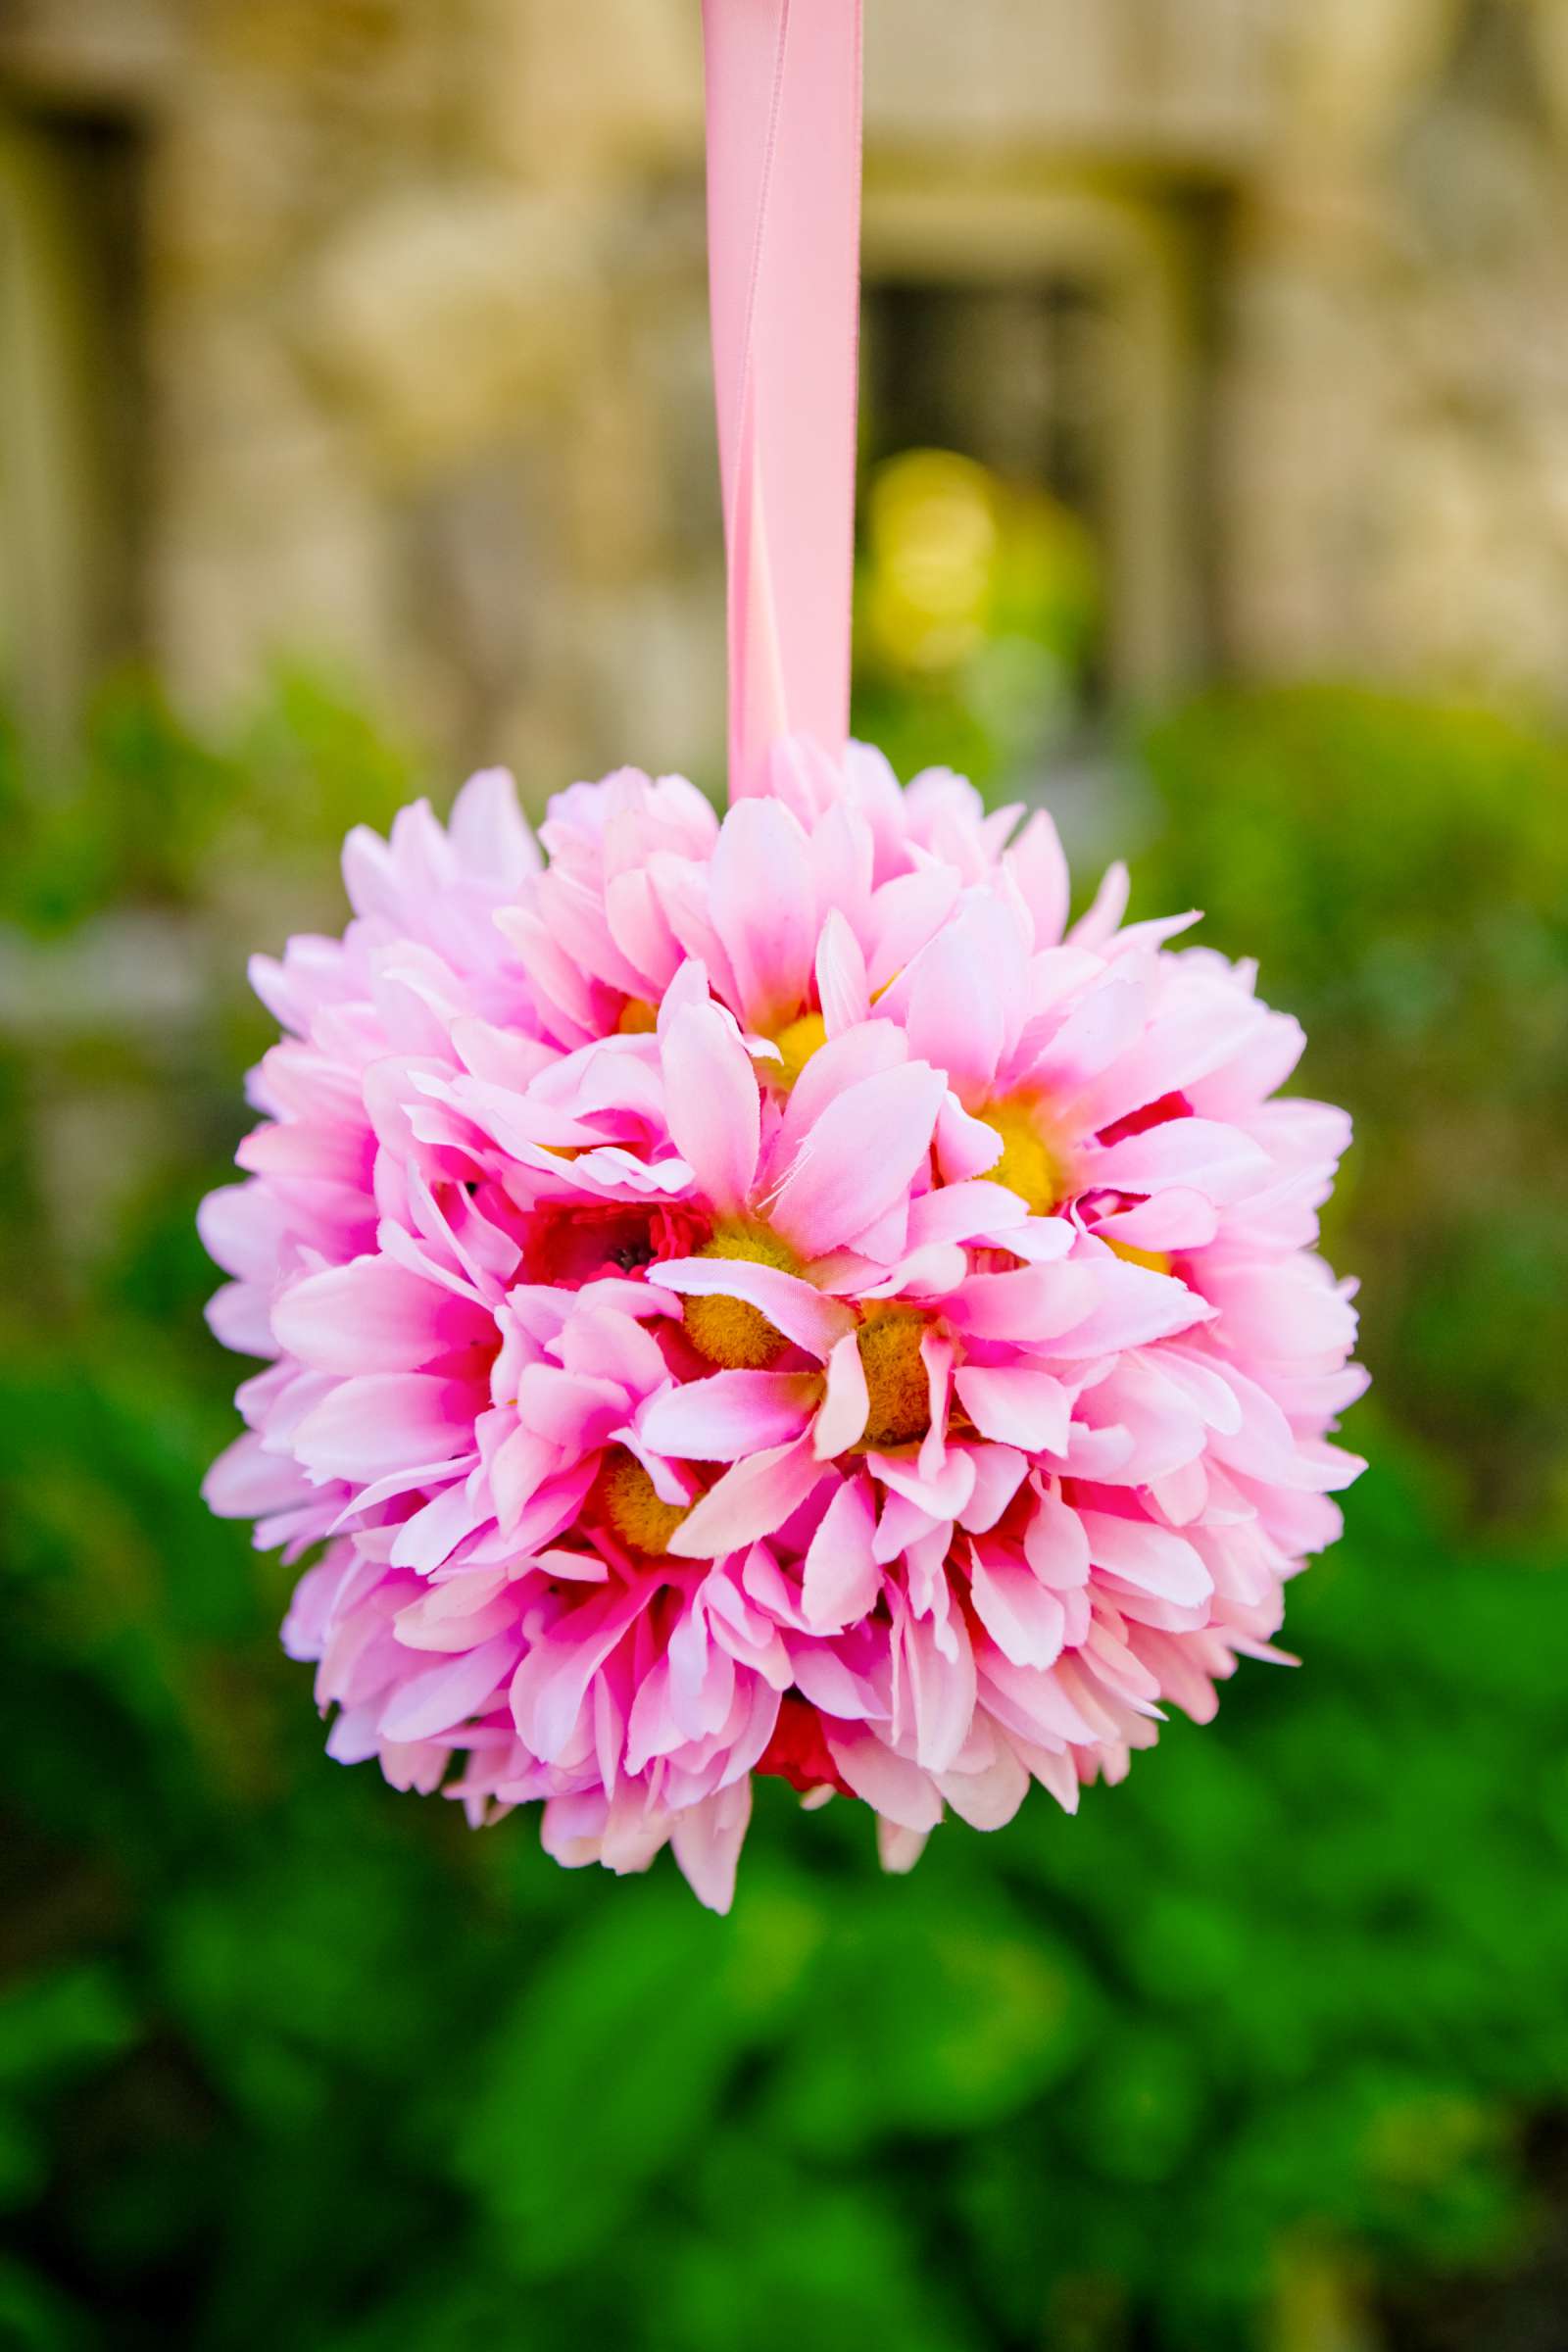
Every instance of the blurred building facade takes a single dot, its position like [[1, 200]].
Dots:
[[374, 333]]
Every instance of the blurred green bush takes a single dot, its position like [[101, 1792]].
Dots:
[[1250, 2054], [1403, 871], [978, 607]]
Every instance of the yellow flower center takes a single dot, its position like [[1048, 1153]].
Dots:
[[636, 1018], [896, 1379], [797, 1042], [1031, 1163], [731, 1331], [625, 1493], [1155, 1260]]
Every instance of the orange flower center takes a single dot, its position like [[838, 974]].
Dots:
[[625, 1496], [797, 1042], [731, 1331], [1156, 1261], [895, 1380], [1033, 1164]]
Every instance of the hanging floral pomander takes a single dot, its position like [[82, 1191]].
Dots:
[[762, 1293]]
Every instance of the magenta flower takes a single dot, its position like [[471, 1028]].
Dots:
[[762, 1295]]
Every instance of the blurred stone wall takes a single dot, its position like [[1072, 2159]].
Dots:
[[417, 346]]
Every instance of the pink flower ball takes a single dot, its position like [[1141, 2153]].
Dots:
[[762, 1295]]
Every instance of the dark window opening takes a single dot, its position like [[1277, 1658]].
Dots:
[[984, 520], [73, 404], [1036, 549]]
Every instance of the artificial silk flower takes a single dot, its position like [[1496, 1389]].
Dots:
[[761, 1294]]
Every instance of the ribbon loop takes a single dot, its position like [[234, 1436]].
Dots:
[[783, 84]]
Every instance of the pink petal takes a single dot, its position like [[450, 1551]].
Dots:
[[989, 1798], [244, 1481], [936, 1354], [1266, 1448], [964, 1212], [1017, 1406], [446, 1695], [999, 1472], [966, 1146], [905, 912], [793, 1306], [575, 1567], [1150, 1559], [713, 1105], [518, 1468], [841, 1581], [1100, 1025], [843, 858], [749, 1502], [898, 1850], [1033, 1705], [728, 1415], [1040, 869], [1092, 930], [831, 1685], [637, 925], [706, 1839], [571, 1410], [764, 904], [1055, 1773], [242, 1228], [1196, 1035], [1134, 1306], [964, 995], [457, 1615], [1055, 1546], [434, 1532], [842, 988], [488, 834], [942, 1497], [239, 1317], [859, 1158], [896, 1789], [1025, 1620], [368, 1427], [840, 1422], [855, 1054], [606, 1342], [1270, 1312], [551, 1685], [902, 1525], [929, 1273], [404, 1480], [885, 1240], [1172, 1221], [1030, 1307], [1199, 1155], [938, 1688]]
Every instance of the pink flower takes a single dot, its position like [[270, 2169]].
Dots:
[[762, 1295]]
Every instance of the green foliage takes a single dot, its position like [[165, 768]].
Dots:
[[152, 813], [1402, 870], [977, 608], [285, 2058]]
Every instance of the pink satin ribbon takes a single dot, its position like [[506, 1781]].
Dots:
[[783, 83]]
